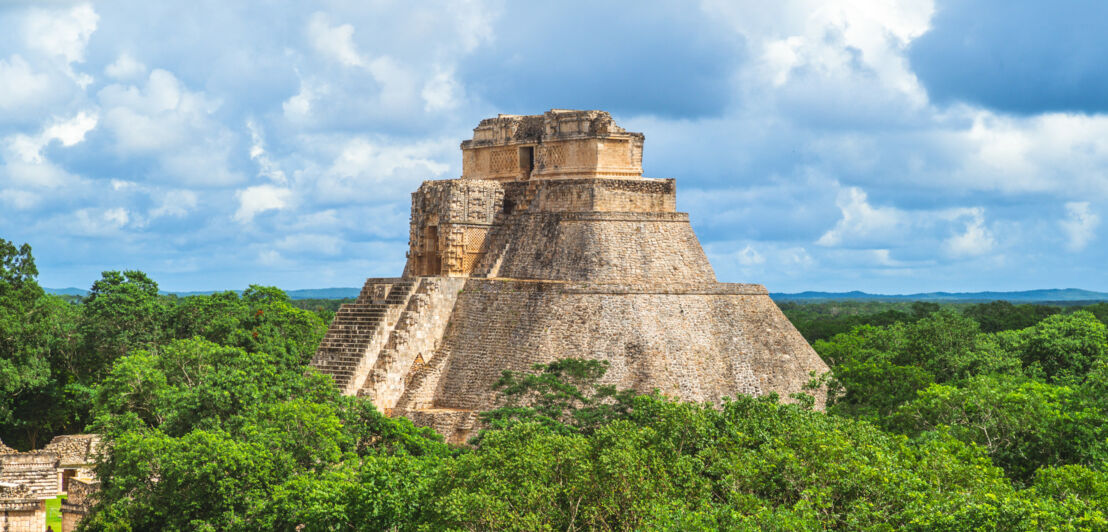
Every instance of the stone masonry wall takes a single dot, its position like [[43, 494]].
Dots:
[[601, 247], [38, 471], [699, 344], [606, 195], [22, 516], [80, 499]]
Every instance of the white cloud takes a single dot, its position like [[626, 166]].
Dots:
[[861, 222], [28, 148], [175, 125], [20, 86], [298, 107], [441, 92], [1080, 225], [335, 42], [258, 199], [843, 45], [175, 203], [749, 256], [62, 33], [161, 115], [72, 131], [98, 221], [19, 200], [266, 166], [975, 241], [125, 68]]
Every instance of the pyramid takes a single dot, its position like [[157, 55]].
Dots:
[[552, 245]]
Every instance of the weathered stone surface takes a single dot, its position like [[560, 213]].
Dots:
[[556, 145], [27, 479], [80, 498], [36, 470], [553, 245]]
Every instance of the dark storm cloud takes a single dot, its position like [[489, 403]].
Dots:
[[668, 61], [1022, 56]]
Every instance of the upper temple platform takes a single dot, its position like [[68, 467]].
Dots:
[[558, 144]]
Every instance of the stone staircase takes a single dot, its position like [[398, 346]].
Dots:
[[359, 331], [413, 340]]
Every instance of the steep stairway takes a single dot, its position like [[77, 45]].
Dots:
[[359, 330]]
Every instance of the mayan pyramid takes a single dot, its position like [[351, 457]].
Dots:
[[553, 245]]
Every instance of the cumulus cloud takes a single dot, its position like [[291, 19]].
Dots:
[[334, 42], [1080, 225], [20, 85], [98, 222], [28, 148], [175, 125], [441, 92], [974, 241], [125, 68], [175, 203], [62, 33], [862, 224], [258, 199], [266, 166], [817, 144]]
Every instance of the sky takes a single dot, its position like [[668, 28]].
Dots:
[[876, 145]]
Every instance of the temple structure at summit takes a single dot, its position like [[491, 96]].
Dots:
[[552, 245]]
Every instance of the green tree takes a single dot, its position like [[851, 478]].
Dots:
[[123, 311], [1063, 347], [25, 374], [201, 436], [563, 395], [1023, 424]]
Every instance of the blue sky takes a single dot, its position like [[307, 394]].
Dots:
[[817, 144]]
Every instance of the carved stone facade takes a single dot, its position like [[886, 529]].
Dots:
[[553, 245], [557, 145]]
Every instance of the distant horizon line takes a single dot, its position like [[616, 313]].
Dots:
[[1037, 294]]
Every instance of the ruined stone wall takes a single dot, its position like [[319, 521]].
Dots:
[[38, 471], [414, 340], [75, 451], [78, 502], [697, 342], [22, 515]]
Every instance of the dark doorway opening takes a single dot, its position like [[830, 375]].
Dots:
[[526, 161]]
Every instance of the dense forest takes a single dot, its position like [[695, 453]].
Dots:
[[954, 417]]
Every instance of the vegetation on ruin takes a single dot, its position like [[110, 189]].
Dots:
[[952, 417]]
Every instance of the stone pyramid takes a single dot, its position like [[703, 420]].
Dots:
[[552, 245]]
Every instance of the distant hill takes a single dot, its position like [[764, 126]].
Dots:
[[1025, 296], [307, 293], [71, 291]]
